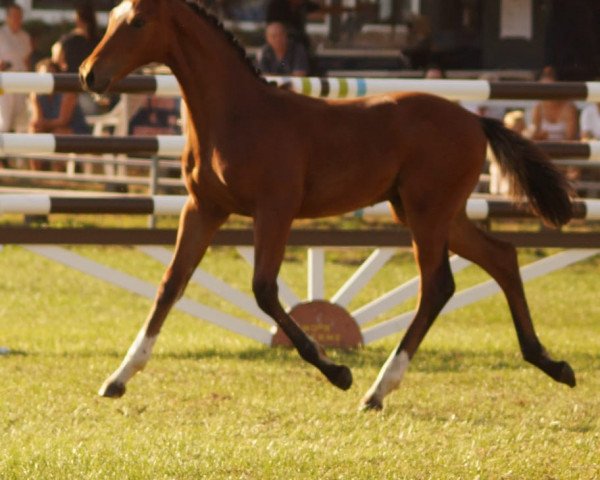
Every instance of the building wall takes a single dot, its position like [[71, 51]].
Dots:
[[524, 53], [482, 44]]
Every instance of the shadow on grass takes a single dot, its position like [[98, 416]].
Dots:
[[433, 361], [426, 361], [12, 353]]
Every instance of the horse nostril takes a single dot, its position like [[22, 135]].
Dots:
[[89, 79]]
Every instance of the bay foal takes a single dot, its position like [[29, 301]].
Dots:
[[256, 150]]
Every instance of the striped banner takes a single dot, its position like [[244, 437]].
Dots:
[[172, 145], [39, 204], [465, 90]]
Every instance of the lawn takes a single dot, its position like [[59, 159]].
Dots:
[[212, 404]]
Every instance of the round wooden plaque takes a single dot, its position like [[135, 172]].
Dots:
[[329, 324]]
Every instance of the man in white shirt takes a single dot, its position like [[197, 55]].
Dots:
[[589, 122], [15, 50]]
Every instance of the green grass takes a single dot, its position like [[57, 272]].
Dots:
[[215, 405]]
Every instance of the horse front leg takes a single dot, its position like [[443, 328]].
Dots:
[[197, 225], [271, 229]]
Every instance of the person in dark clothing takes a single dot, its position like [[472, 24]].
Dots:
[[73, 48], [282, 55], [292, 13], [56, 113]]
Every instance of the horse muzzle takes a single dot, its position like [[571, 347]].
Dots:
[[91, 80]]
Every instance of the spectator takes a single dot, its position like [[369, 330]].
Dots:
[[157, 116], [292, 13], [418, 48], [282, 55], [499, 185], [515, 120], [57, 113], [554, 120], [589, 122], [434, 72], [15, 51], [74, 47], [589, 126]]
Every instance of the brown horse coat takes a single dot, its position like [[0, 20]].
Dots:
[[274, 155]]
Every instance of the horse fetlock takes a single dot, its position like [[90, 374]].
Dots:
[[566, 375], [561, 372], [112, 389], [371, 402], [389, 379], [139, 353], [534, 353], [392, 372], [339, 375], [312, 352]]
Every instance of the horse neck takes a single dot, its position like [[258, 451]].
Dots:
[[215, 80]]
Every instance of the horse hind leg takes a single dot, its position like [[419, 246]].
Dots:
[[437, 286], [196, 228], [271, 231], [499, 259]]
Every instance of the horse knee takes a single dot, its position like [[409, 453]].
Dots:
[[508, 254], [444, 281], [446, 289], [506, 264], [265, 293], [447, 285], [171, 288], [442, 287]]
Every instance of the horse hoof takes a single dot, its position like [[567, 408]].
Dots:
[[112, 390], [369, 404], [340, 376], [566, 375]]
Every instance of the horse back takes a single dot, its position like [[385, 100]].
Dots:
[[362, 151]]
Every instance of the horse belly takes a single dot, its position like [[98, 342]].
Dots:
[[350, 186]]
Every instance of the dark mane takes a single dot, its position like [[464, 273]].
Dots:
[[231, 39]]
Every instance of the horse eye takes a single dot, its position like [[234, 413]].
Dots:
[[137, 22]]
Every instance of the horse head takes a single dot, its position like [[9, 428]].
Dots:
[[136, 35]]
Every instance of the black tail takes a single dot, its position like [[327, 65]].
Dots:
[[530, 173]]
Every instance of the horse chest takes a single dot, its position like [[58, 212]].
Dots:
[[220, 181]]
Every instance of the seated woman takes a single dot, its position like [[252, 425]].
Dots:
[[554, 120], [589, 122], [282, 55], [57, 113], [589, 126], [515, 121]]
